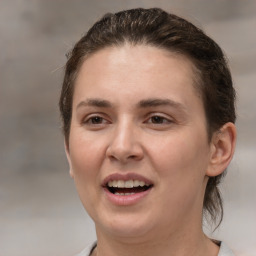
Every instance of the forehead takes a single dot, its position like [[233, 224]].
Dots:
[[131, 68], [143, 54]]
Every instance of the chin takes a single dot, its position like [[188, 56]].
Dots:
[[127, 226]]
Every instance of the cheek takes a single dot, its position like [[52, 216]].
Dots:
[[180, 151], [181, 174], [181, 162], [86, 153], [86, 158]]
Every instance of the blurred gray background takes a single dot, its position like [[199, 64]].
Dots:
[[40, 213]]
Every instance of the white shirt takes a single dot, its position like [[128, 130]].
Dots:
[[224, 251]]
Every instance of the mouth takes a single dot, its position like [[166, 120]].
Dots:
[[126, 185], [126, 188]]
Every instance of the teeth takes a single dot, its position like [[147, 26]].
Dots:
[[124, 194], [126, 184], [120, 184], [136, 183], [142, 184]]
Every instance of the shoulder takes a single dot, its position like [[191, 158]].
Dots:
[[87, 251], [225, 250]]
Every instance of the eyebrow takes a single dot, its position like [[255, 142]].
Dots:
[[95, 103], [155, 102], [152, 102]]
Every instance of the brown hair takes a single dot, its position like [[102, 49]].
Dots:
[[160, 29]]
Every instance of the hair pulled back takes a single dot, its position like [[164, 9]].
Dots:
[[160, 29]]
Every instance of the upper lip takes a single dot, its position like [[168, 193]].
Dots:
[[126, 177]]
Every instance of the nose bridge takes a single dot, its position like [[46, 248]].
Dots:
[[125, 143], [124, 134]]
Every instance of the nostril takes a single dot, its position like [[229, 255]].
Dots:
[[124, 150], [124, 156]]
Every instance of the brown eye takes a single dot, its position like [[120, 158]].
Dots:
[[158, 120], [96, 120]]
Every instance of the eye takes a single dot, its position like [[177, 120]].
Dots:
[[157, 119], [95, 120]]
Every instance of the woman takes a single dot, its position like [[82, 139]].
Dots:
[[148, 116]]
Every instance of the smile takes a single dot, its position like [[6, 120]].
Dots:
[[126, 189], [129, 187]]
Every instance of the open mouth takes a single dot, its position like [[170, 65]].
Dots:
[[129, 187]]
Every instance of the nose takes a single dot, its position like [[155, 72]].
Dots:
[[125, 144]]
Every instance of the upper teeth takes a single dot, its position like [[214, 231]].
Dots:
[[126, 184]]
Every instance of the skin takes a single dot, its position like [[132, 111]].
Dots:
[[166, 143]]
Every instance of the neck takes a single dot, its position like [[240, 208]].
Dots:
[[177, 244]]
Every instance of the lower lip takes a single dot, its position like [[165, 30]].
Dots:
[[126, 200]]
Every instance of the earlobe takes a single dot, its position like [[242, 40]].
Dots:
[[222, 149], [71, 173]]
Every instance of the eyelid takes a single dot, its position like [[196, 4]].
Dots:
[[161, 115], [89, 117]]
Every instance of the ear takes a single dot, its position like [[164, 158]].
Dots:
[[222, 149], [71, 173]]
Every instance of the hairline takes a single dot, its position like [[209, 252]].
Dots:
[[196, 77]]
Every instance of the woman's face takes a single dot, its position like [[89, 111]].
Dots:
[[138, 146]]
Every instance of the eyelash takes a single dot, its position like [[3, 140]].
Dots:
[[98, 121], [90, 120], [162, 119]]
